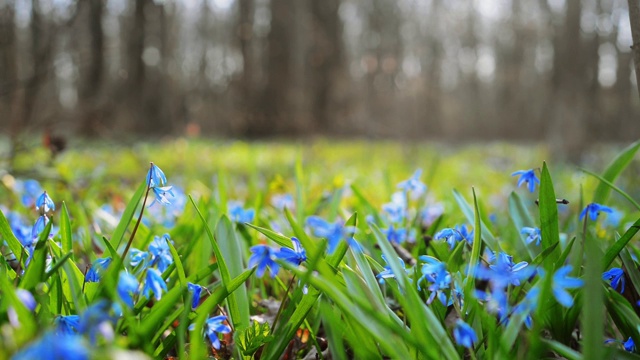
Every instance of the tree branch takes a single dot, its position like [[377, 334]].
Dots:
[[634, 19]]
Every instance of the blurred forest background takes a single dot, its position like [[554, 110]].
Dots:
[[411, 69]]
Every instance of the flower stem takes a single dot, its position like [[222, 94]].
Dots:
[[275, 321], [135, 228]]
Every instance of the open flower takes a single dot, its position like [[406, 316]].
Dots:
[[154, 282], [413, 185], [615, 276], [464, 334], [529, 177], [160, 252], [97, 269], [263, 256], [296, 256], [533, 234], [213, 326], [593, 210], [127, 285]]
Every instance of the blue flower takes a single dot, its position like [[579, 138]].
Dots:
[[161, 195], [453, 236], [464, 334], [616, 278], [155, 177], [528, 305], [413, 185], [44, 204], [529, 177], [97, 269], [283, 201], [127, 285], [594, 210], [387, 273], [67, 325], [27, 299], [137, 257], [38, 227], [29, 191], [332, 232], [160, 252], [396, 235], [434, 271], [561, 282], [97, 320], [533, 234], [628, 345], [196, 290], [296, 256], [154, 282], [55, 346], [213, 326], [397, 208], [504, 272], [238, 214], [263, 256]]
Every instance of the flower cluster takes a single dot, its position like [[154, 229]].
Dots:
[[263, 256]]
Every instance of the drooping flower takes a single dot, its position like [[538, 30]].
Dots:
[[212, 327], [196, 290], [464, 334], [533, 234], [394, 235], [528, 305], [127, 287], [238, 214], [44, 204], [154, 282], [616, 278], [529, 177], [97, 269], [137, 257], [593, 210], [396, 209], [455, 235], [263, 256], [413, 185], [435, 272], [160, 252], [333, 232], [628, 345], [156, 177], [561, 282], [388, 273], [161, 195], [38, 227], [55, 346], [296, 256]]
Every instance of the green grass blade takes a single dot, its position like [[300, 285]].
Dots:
[[34, 273], [612, 186], [14, 244], [520, 216], [231, 249], [467, 210], [277, 238], [65, 230], [176, 260], [621, 161], [127, 215], [548, 216], [615, 249], [474, 258]]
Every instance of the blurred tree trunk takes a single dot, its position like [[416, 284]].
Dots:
[[567, 132], [325, 59], [276, 118], [634, 19], [91, 122], [8, 68], [245, 37], [136, 74], [432, 121]]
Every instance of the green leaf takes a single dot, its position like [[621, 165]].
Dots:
[[615, 249], [127, 215], [14, 244], [203, 311], [34, 273], [593, 308], [548, 215], [469, 213], [176, 259], [622, 160], [65, 230], [253, 337], [563, 350], [474, 258], [612, 186], [277, 238], [520, 216], [231, 250]]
